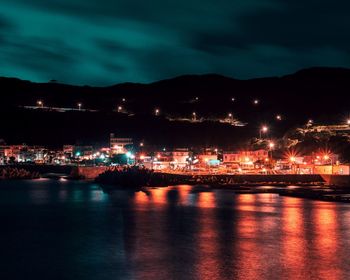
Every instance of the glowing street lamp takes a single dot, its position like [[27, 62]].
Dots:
[[263, 129], [271, 147], [119, 109], [328, 158], [230, 115], [232, 99], [40, 103], [156, 112], [194, 116], [279, 117], [141, 144], [123, 99], [256, 102], [79, 106]]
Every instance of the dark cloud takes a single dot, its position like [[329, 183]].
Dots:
[[298, 25], [108, 41], [5, 24]]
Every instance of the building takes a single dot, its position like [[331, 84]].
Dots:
[[179, 158], [23, 153], [119, 145], [340, 169], [68, 150], [245, 156], [83, 151]]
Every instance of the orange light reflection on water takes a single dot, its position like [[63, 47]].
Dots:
[[293, 238], [206, 200], [207, 238], [247, 230], [326, 240]]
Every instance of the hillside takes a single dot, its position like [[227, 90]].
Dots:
[[292, 96]]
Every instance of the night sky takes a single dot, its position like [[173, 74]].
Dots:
[[110, 41]]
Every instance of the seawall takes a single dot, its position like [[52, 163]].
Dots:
[[337, 180], [88, 172], [91, 172]]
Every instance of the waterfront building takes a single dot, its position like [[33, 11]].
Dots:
[[119, 145], [245, 156], [179, 158]]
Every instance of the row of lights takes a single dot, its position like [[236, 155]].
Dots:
[[40, 104]]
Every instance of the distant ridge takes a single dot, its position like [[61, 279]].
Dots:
[[320, 94], [286, 93]]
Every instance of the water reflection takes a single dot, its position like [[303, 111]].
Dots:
[[294, 242], [326, 241], [244, 236], [170, 233]]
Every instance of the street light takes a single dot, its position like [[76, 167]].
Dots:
[[256, 102], [194, 116], [156, 112], [40, 103], [271, 146], [119, 109], [292, 160], [79, 106], [279, 117], [232, 99], [263, 129], [326, 158]]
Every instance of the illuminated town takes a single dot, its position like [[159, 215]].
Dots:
[[174, 140], [213, 160]]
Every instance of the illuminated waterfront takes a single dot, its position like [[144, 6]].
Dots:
[[72, 230]]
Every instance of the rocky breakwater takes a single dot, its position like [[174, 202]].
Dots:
[[17, 173]]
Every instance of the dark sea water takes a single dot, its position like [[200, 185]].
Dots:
[[72, 230]]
